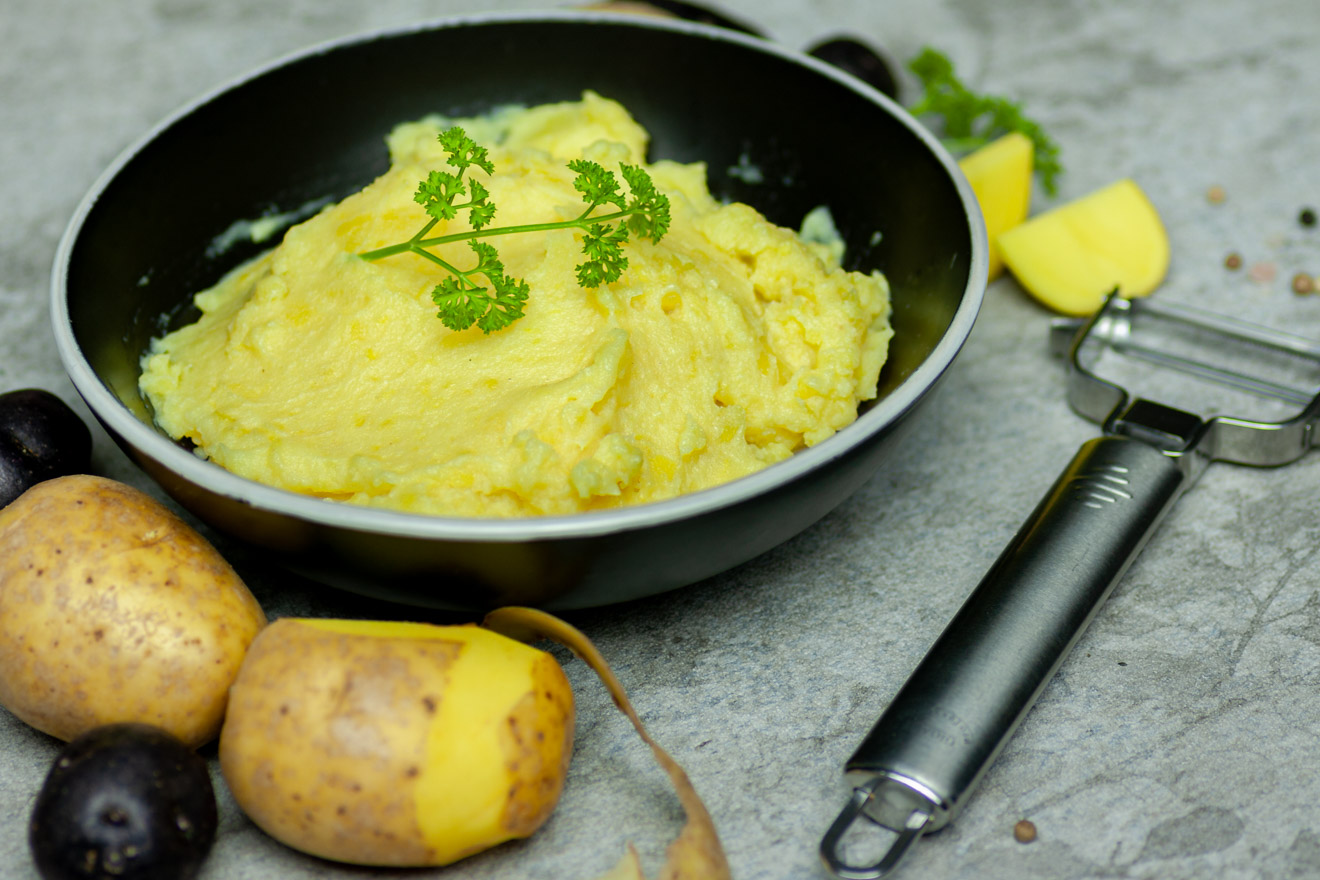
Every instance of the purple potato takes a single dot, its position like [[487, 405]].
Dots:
[[40, 438], [124, 802]]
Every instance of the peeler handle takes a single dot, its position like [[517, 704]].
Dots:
[[950, 720]]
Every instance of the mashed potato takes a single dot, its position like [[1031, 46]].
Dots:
[[724, 348]]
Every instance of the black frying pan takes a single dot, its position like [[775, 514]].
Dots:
[[312, 126]]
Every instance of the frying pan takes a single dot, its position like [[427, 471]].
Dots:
[[311, 127]]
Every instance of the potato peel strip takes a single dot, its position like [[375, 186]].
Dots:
[[696, 854]]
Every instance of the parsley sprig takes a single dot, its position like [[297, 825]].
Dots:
[[463, 298], [972, 120]]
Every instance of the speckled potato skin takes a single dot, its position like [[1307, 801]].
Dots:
[[341, 743], [114, 609]]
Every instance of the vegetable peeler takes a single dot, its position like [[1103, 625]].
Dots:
[[924, 757]]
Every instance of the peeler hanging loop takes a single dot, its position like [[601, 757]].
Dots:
[[911, 829]]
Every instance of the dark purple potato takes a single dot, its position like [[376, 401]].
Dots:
[[40, 438], [862, 61], [124, 802], [849, 55], [702, 13]]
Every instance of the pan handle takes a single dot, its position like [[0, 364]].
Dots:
[[948, 723]]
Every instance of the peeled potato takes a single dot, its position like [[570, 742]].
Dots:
[[1072, 256], [1000, 175], [396, 744], [113, 609]]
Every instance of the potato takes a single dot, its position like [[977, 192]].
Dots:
[[401, 744], [124, 800], [40, 438], [1000, 175], [113, 609], [1072, 256]]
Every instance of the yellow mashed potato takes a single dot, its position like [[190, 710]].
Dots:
[[724, 348]]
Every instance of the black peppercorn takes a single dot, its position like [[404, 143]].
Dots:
[[1306, 217]]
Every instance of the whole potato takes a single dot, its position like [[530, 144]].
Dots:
[[126, 801], [397, 744], [113, 609], [40, 438]]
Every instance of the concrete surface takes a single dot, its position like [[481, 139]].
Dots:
[[1178, 741]]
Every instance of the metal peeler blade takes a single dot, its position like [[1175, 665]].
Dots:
[[924, 757]]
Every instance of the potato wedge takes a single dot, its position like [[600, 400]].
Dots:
[[1000, 175], [114, 609], [396, 744], [1072, 256]]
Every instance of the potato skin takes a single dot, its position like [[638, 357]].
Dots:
[[396, 744], [113, 609]]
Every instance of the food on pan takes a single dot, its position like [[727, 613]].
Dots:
[[113, 609], [404, 744], [722, 348], [1072, 256]]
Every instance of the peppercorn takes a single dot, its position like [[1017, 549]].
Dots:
[[1233, 261], [1303, 283], [1306, 217], [1215, 194], [1024, 831]]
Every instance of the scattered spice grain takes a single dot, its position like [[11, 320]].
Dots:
[[1303, 283], [1215, 194], [1024, 831], [1262, 271], [1233, 261], [1307, 217]]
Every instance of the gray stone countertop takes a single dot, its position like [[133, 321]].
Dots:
[[1179, 740]]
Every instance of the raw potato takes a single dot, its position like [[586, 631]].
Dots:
[[113, 609], [1000, 175], [124, 800], [396, 744], [1072, 256]]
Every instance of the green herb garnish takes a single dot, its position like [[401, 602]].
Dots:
[[463, 299], [972, 120]]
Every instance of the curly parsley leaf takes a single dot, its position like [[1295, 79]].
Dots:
[[971, 120], [603, 246], [597, 185], [463, 151], [480, 209], [436, 194], [649, 208], [461, 301]]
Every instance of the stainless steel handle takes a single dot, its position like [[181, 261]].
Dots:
[[946, 726]]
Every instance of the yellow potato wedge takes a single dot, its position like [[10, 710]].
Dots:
[[1000, 175], [1072, 256]]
